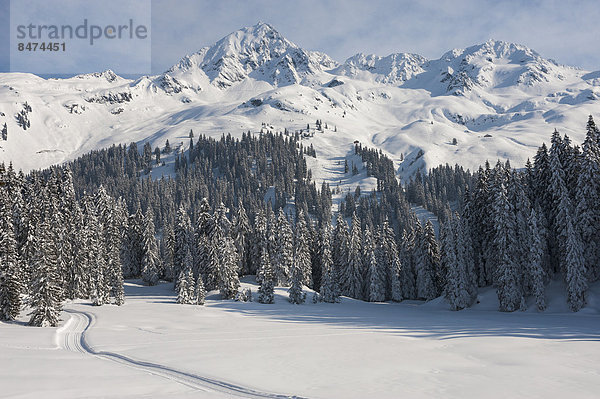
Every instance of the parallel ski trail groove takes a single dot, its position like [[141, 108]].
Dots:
[[73, 338]]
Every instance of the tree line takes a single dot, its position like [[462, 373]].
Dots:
[[519, 229], [249, 206]]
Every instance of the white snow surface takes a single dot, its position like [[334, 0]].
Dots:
[[153, 347], [401, 103]]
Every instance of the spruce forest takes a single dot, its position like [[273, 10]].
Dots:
[[249, 206]]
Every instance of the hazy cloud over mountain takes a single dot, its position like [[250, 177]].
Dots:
[[344, 28]]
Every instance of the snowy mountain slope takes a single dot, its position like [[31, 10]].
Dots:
[[497, 99], [493, 64], [259, 52], [393, 69]]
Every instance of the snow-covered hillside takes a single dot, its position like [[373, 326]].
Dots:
[[497, 99]]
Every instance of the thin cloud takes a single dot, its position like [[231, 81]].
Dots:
[[563, 30], [556, 29]]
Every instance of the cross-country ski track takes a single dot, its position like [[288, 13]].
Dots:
[[72, 337]]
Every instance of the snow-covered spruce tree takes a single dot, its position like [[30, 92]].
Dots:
[[535, 270], [99, 291], [183, 238], [390, 264], [200, 292], [46, 293], [558, 148], [117, 289], [30, 218], [571, 250], [339, 250], [266, 291], [96, 258], [79, 275], [543, 198], [521, 208], [465, 251], [100, 276], [456, 290], [465, 254], [407, 276], [529, 181], [228, 278], [258, 243], [427, 262], [329, 286], [115, 234], [543, 232], [150, 260], [244, 295], [112, 217], [10, 284], [557, 156], [301, 250], [296, 294], [66, 232], [483, 227], [375, 278], [587, 212], [185, 282], [222, 220], [123, 222], [575, 273], [382, 260], [204, 254], [167, 247], [351, 277], [134, 244], [54, 214], [314, 245], [204, 219], [396, 266], [283, 256], [211, 255], [368, 243], [508, 275], [571, 165], [240, 229], [15, 189], [592, 129], [227, 267]]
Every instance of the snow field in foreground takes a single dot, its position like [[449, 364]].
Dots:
[[347, 350]]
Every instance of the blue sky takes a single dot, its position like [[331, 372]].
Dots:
[[567, 31]]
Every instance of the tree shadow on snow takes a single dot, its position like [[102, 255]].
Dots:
[[415, 322], [160, 293], [137, 288], [406, 319]]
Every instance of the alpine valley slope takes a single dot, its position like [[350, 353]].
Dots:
[[497, 99]]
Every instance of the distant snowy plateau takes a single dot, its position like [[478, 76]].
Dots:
[[497, 99]]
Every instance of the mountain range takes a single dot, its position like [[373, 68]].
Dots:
[[494, 100]]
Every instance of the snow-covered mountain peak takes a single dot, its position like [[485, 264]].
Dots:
[[490, 65], [259, 43], [109, 75], [495, 49], [258, 51], [494, 64]]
